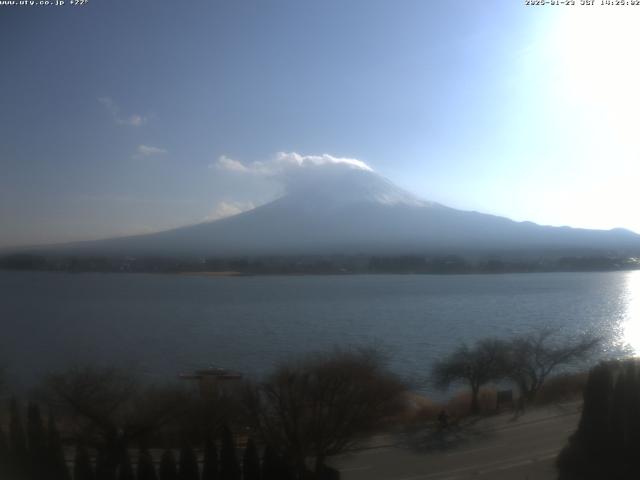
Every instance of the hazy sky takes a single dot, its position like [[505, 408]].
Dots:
[[114, 115]]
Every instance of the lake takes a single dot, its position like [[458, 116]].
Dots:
[[161, 325]]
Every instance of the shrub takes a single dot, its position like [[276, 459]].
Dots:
[[324, 403], [564, 387]]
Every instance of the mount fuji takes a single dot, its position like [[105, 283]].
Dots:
[[357, 211]]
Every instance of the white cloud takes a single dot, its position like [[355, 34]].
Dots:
[[229, 164], [283, 163], [290, 173], [148, 151], [228, 209], [133, 120]]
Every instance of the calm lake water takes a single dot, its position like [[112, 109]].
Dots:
[[164, 324]]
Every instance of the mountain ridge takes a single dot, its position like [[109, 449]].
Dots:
[[355, 211]]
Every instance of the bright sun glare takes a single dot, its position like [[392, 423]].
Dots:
[[598, 52], [596, 77]]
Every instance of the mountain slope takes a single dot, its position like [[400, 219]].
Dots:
[[358, 211]]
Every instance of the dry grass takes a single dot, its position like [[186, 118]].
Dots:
[[562, 388], [460, 404], [419, 410]]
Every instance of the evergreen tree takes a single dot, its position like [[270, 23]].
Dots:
[[105, 470], [82, 469], [269, 464], [125, 472], [618, 426], [17, 442], [634, 422], [57, 463], [229, 468], [146, 470], [36, 442], [4, 456], [606, 442], [168, 469], [274, 467], [593, 424], [251, 462], [188, 464], [328, 473], [210, 462]]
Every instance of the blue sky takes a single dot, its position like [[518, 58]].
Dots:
[[114, 113]]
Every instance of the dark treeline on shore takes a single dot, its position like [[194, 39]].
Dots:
[[321, 265]]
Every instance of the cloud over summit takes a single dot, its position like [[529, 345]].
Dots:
[[321, 177], [285, 163]]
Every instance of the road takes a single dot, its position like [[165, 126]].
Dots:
[[496, 448]]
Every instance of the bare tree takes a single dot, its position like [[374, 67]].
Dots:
[[204, 416], [110, 408], [476, 366], [532, 357], [323, 404]]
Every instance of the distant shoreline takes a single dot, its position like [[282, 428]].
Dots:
[[213, 274], [235, 274], [324, 264]]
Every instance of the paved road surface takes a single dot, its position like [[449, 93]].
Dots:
[[496, 448]]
